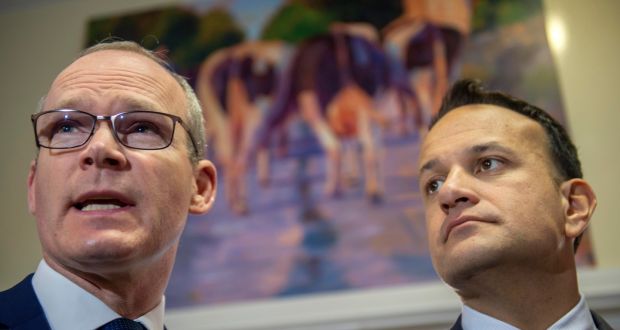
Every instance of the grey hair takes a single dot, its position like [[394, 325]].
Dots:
[[195, 119]]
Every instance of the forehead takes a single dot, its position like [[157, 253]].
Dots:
[[116, 77], [482, 124]]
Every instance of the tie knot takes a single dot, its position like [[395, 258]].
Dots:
[[122, 324]]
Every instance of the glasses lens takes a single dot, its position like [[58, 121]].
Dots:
[[64, 129], [144, 130]]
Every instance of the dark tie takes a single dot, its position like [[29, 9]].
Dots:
[[122, 324]]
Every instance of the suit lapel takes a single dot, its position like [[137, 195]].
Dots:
[[599, 322], [457, 324], [20, 308]]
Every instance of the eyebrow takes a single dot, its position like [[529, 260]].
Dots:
[[71, 102], [428, 165], [491, 146], [82, 102], [475, 149]]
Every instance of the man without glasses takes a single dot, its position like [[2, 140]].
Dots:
[[119, 166], [505, 207]]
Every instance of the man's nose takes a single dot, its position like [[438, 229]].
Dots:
[[103, 150], [457, 190]]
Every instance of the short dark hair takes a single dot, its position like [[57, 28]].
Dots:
[[561, 148]]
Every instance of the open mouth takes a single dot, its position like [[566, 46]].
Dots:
[[100, 204]]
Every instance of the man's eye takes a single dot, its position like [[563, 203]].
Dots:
[[143, 127], [489, 164], [433, 186], [65, 127]]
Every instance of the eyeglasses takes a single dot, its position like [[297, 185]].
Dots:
[[67, 128]]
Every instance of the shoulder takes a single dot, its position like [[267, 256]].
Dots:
[[20, 308]]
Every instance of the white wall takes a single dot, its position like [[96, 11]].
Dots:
[[38, 40], [589, 70]]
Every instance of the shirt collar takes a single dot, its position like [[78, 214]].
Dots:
[[472, 319], [68, 306], [579, 317]]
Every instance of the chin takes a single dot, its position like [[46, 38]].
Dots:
[[106, 249], [454, 275], [463, 264]]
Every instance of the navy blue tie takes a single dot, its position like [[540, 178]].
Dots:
[[122, 324]]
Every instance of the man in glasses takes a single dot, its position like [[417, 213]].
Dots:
[[505, 207], [120, 164]]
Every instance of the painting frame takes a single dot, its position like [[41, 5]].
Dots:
[[430, 306]]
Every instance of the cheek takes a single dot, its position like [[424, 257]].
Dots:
[[170, 191], [535, 211], [433, 226], [50, 215], [435, 246], [49, 190]]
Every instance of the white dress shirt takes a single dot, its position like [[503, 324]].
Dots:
[[67, 306], [577, 318]]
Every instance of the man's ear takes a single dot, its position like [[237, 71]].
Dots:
[[32, 187], [579, 204], [206, 184]]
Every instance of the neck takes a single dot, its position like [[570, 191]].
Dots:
[[523, 297], [131, 291]]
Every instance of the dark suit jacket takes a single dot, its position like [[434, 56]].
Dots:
[[599, 322], [20, 309]]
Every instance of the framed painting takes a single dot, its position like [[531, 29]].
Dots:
[[314, 113]]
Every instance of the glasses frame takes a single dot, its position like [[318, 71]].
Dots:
[[96, 118]]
